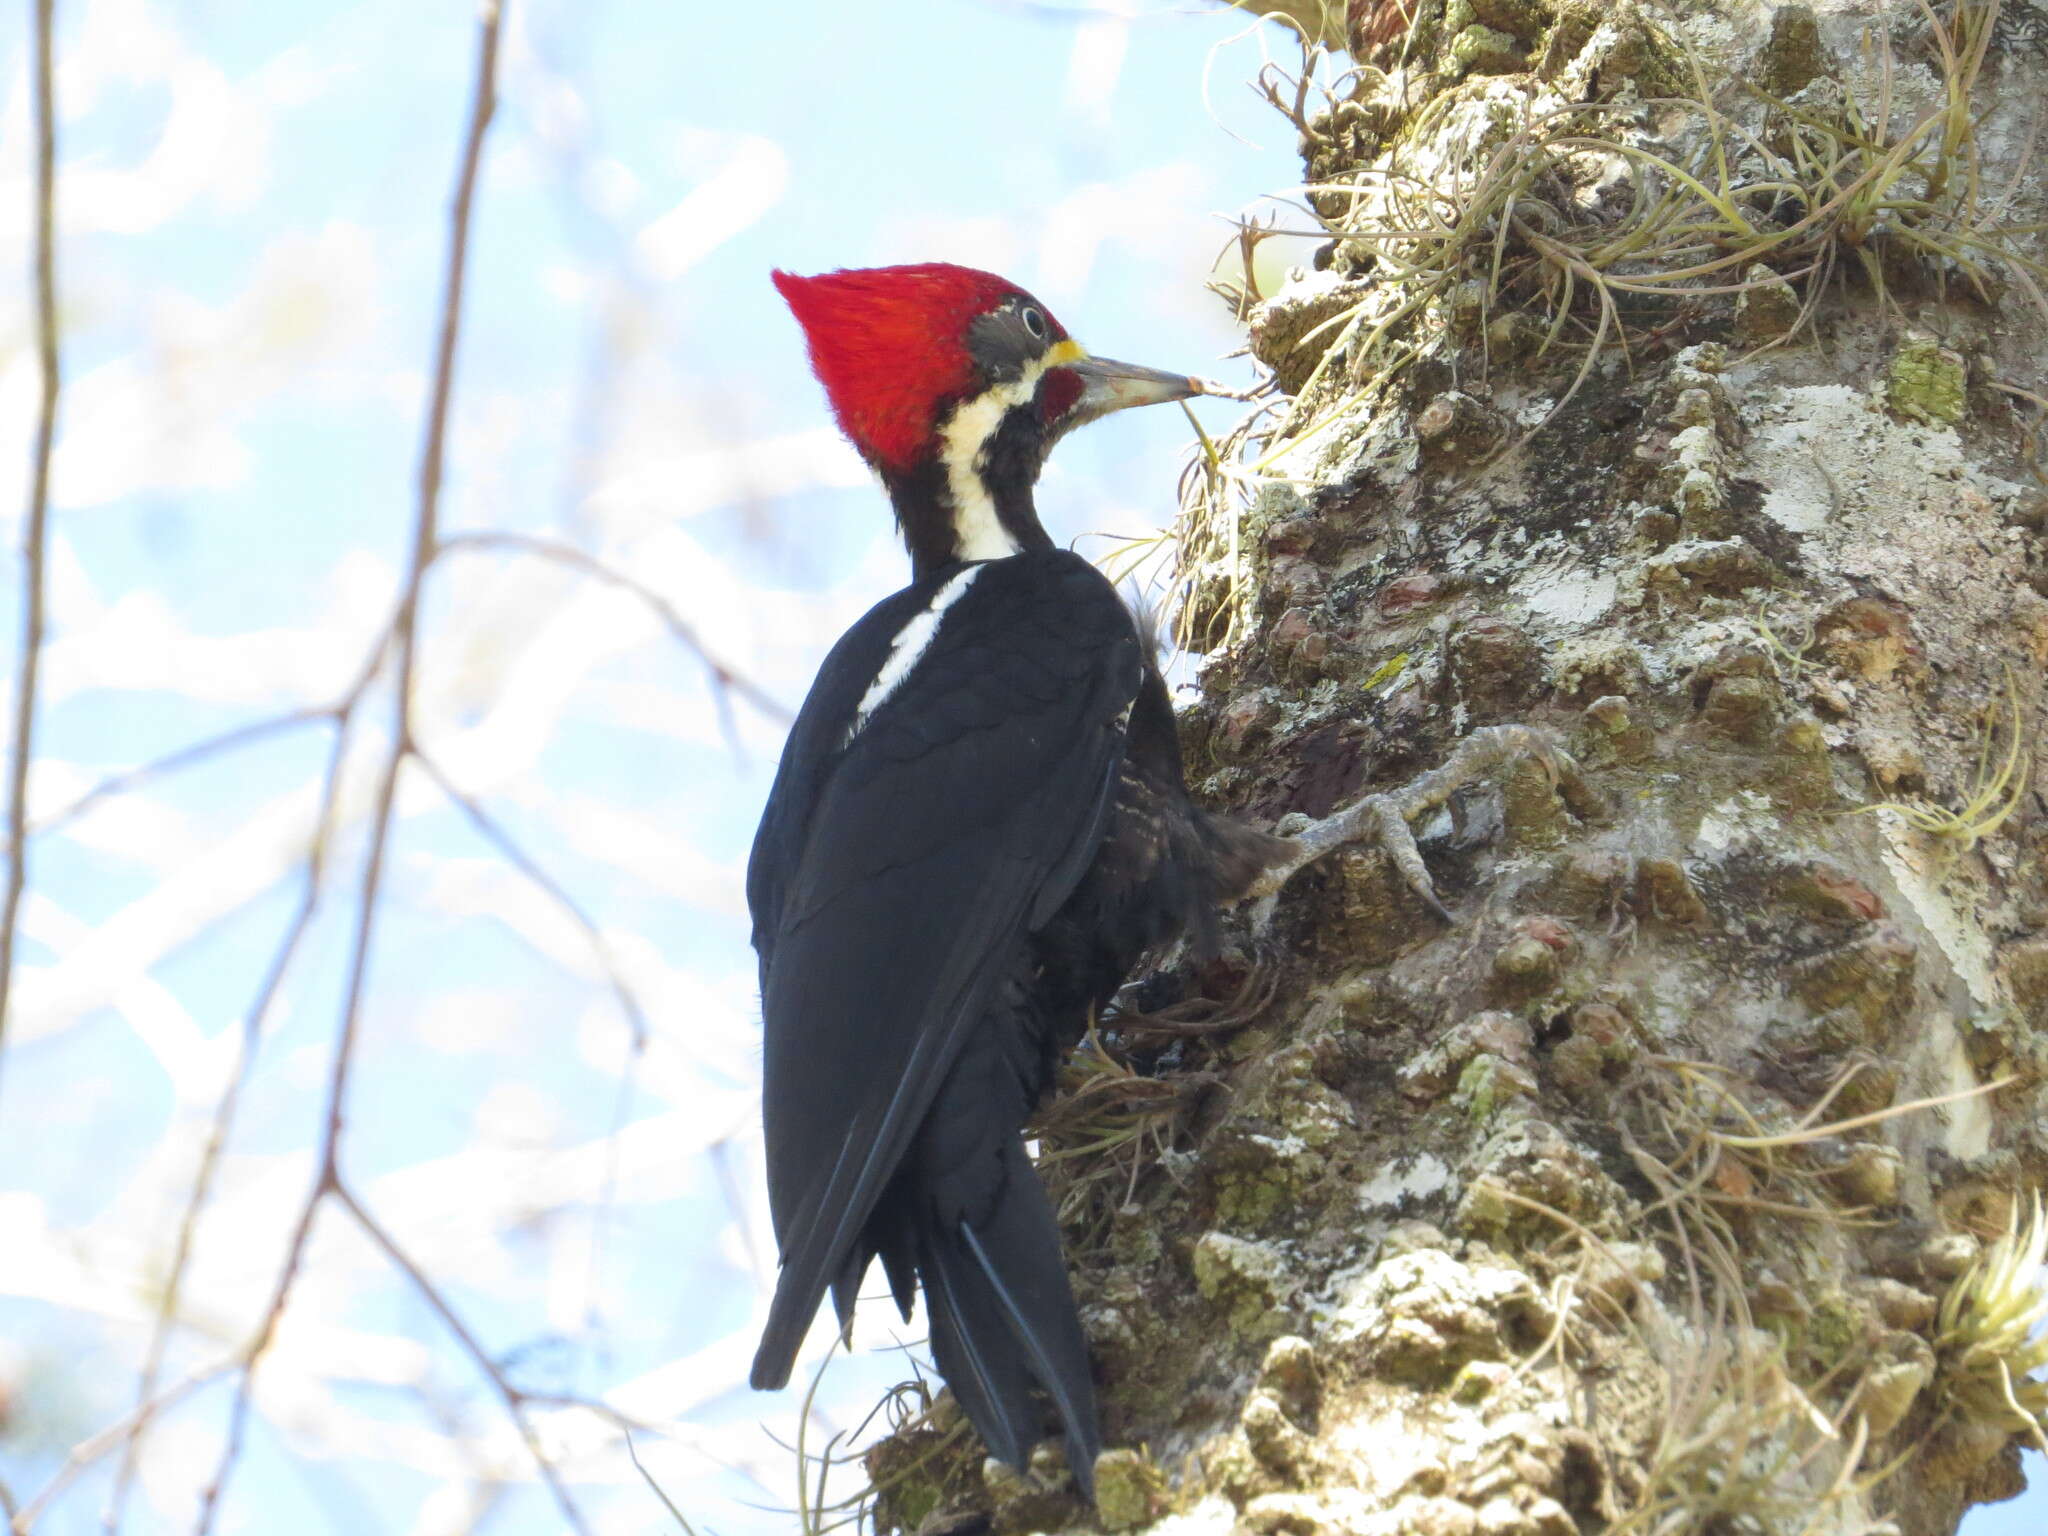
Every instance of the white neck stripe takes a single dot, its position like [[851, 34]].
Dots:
[[978, 532], [910, 644]]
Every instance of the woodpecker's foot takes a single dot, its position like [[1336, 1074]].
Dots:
[[1387, 818]]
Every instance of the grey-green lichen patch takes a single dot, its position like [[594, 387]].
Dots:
[[1256, 1176], [1904, 1367], [1271, 502], [1621, 45], [908, 1501], [1523, 19], [1479, 50], [1129, 1489], [1307, 1109], [1291, 331], [1262, 1160], [1793, 57], [931, 1463], [1478, 1380], [1595, 666], [1528, 1168], [1028, 1501], [1491, 1033], [1767, 308], [1488, 1085], [1926, 381], [1251, 1281]]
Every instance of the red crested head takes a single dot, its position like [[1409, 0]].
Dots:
[[890, 345]]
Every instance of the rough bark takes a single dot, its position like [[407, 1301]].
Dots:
[[1666, 393]]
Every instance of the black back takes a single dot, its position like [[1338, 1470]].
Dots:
[[893, 875]]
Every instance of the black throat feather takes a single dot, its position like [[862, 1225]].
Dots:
[[1006, 465]]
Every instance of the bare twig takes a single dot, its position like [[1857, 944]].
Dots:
[[223, 1127], [513, 1399], [86, 1452], [725, 677], [30, 663], [659, 1492], [492, 831], [129, 779], [403, 640]]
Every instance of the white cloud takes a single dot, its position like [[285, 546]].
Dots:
[[995, 243], [1095, 64], [1155, 215], [213, 141], [735, 196], [649, 485], [167, 417]]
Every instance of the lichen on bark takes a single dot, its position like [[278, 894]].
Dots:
[[1666, 388]]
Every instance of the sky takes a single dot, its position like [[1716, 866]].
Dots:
[[253, 225]]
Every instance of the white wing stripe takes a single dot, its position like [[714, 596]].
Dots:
[[910, 644]]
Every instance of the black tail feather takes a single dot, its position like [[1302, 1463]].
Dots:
[[1003, 1319], [973, 1349], [846, 1284]]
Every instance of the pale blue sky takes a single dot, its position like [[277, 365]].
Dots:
[[254, 229]]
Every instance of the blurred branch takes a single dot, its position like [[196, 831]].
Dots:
[[130, 779], [353, 783], [224, 1119], [511, 1396], [659, 1492], [38, 504], [403, 639], [725, 677], [86, 1452], [491, 831]]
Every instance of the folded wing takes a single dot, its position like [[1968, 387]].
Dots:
[[894, 874]]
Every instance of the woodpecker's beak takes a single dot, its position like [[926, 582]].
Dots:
[[1111, 386]]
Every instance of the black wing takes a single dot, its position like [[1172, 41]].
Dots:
[[890, 878]]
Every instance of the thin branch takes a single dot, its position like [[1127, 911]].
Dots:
[[726, 678], [184, 757], [492, 831], [238, 1413], [29, 673], [510, 1395], [659, 1492], [86, 1452], [403, 638], [224, 1122]]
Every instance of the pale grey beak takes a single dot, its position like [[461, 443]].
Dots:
[[1107, 385]]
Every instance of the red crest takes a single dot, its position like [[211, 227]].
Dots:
[[890, 346]]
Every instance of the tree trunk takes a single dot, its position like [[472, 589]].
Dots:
[[1651, 512]]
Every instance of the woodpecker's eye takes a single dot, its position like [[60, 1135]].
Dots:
[[1034, 322]]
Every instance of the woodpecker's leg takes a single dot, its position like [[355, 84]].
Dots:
[[1387, 818]]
